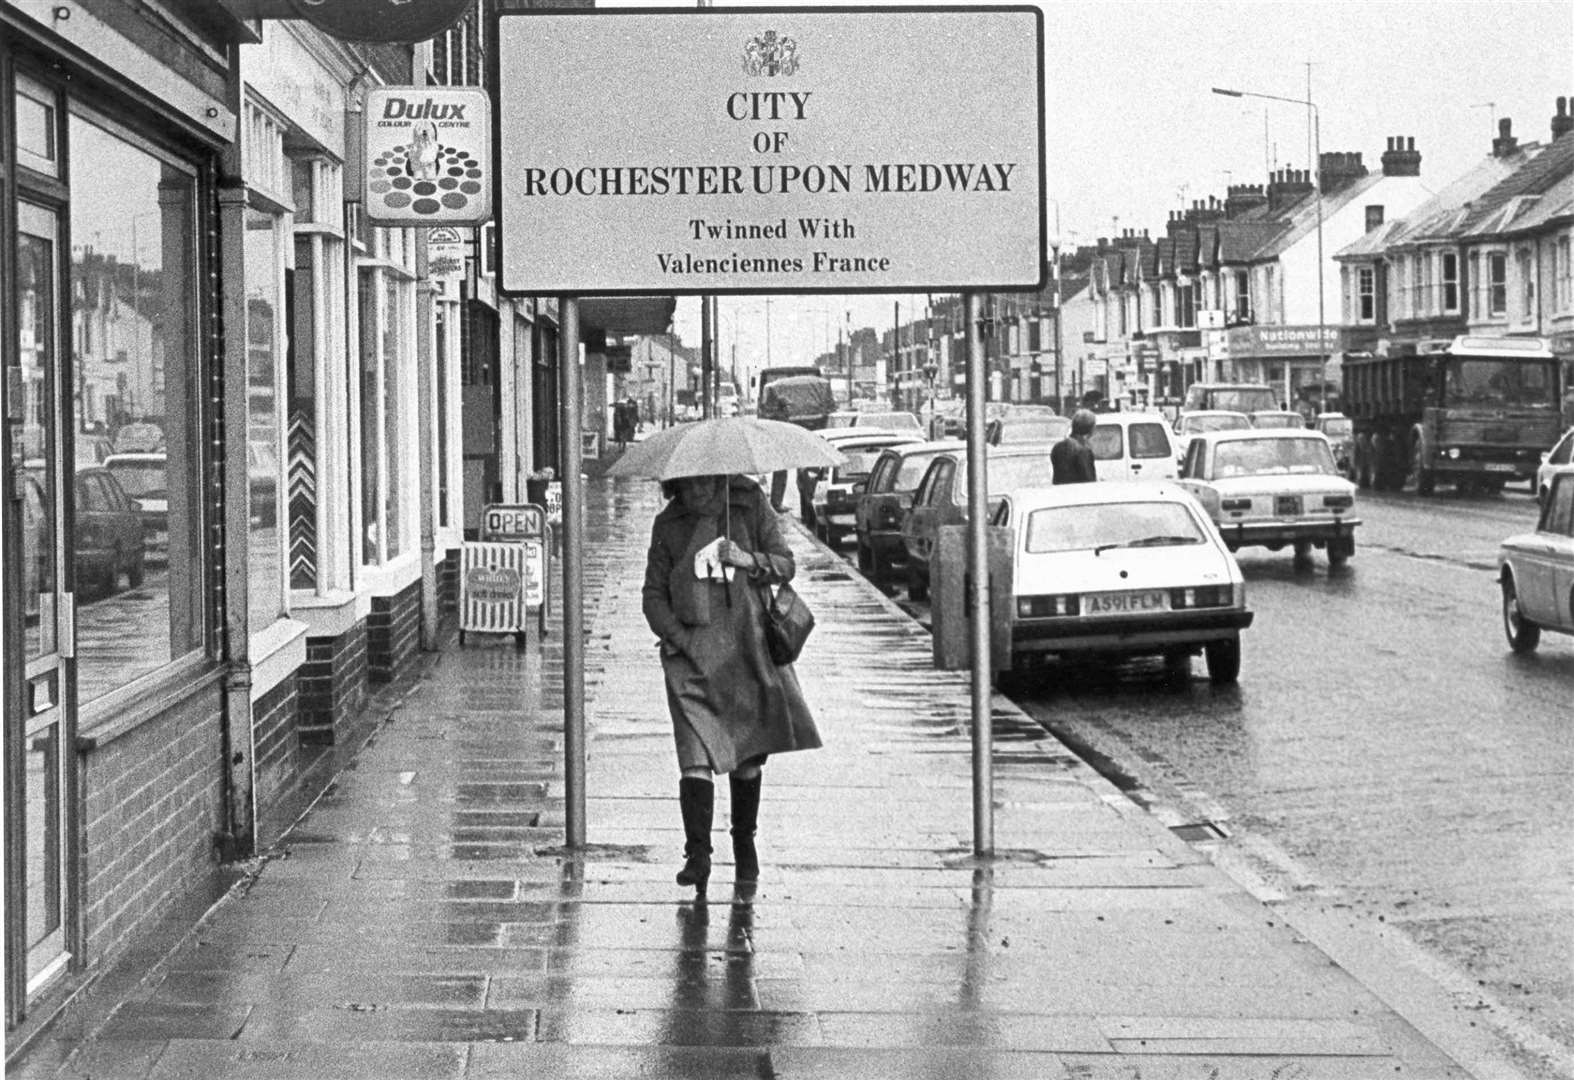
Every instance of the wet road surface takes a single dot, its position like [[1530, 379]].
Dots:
[[1384, 750]]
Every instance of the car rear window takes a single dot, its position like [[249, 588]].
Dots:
[[139, 478], [860, 463], [1258, 457], [1107, 442], [1150, 441], [1123, 524]]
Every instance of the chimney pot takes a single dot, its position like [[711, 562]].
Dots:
[[1563, 122]]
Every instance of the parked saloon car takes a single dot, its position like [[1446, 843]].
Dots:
[[1273, 489], [144, 476], [1339, 430], [109, 533], [882, 502], [1269, 419], [833, 494], [1536, 570], [1189, 424], [1122, 570], [942, 497]]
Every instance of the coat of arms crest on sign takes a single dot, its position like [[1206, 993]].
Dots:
[[769, 54]]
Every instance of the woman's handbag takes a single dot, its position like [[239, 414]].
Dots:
[[788, 621]]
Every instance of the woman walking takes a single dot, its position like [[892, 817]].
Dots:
[[714, 549]]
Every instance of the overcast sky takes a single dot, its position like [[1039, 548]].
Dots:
[[1133, 130]]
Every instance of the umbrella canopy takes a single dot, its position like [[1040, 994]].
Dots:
[[729, 446]]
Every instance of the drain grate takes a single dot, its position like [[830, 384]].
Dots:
[[1199, 831]]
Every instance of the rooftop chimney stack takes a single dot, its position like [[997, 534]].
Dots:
[[1563, 122], [1338, 169], [1401, 158], [1505, 144]]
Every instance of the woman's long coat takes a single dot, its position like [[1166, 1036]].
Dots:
[[720, 678]]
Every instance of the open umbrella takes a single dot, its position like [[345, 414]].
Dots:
[[730, 446]]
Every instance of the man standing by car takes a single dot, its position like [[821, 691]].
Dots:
[[1072, 457]]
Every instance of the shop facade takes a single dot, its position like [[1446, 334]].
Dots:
[[232, 480]]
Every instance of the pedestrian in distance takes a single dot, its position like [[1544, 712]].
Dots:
[[1071, 459], [714, 549]]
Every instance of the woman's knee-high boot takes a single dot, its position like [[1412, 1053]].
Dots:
[[745, 815], [697, 799]]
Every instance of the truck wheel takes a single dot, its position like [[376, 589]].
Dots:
[[1426, 483], [1303, 551], [1523, 635], [1224, 660], [1340, 550]]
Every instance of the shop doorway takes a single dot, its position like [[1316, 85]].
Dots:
[[39, 726]]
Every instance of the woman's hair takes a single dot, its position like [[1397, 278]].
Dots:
[[669, 488]]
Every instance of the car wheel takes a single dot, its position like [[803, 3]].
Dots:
[[1340, 550], [1177, 664], [136, 572], [1523, 635], [917, 584], [865, 558], [1303, 551], [1224, 660]]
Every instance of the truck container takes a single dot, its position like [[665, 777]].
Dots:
[[1474, 412]]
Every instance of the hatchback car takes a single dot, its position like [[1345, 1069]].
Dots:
[[881, 502], [1562, 453], [1273, 489], [1122, 570], [1536, 570], [1132, 446], [942, 499], [833, 498]]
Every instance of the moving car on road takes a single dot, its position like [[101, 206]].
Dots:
[[942, 498], [882, 502], [1562, 453], [1536, 570], [1339, 430], [1269, 419], [1273, 489], [1195, 423], [833, 498], [1122, 570]]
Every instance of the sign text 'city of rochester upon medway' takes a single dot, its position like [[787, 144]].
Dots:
[[782, 151]]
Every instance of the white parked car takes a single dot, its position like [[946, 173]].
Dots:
[[1536, 570], [1273, 489], [1188, 424], [1122, 569]]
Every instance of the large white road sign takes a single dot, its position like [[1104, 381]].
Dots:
[[761, 150]]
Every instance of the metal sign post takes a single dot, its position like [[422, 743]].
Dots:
[[573, 532], [977, 599]]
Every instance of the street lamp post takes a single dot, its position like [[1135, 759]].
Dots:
[[1317, 151]]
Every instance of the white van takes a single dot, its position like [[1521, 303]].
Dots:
[[1133, 446]]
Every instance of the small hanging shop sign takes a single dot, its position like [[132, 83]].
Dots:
[[428, 156]]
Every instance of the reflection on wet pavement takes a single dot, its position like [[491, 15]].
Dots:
[[423, 920]]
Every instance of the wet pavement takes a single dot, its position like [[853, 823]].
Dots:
[[423, 919]]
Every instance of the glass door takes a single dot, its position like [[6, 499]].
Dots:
[[41, 734]]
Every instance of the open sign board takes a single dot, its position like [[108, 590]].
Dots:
[[525, 521]]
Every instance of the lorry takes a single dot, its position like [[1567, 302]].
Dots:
[[1475, 412]]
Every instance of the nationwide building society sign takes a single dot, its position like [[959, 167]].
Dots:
[[765, 150]]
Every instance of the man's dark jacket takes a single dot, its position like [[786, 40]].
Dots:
[[1072, 462]]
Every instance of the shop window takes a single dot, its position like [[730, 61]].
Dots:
[[139, 555], [264, 444], [301, 427], [35, 128], [382, 308]]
